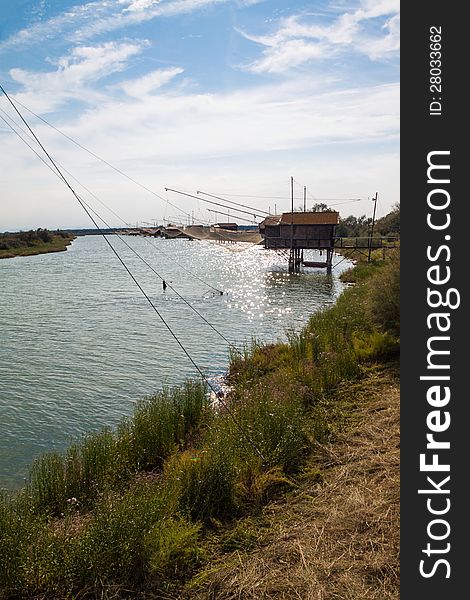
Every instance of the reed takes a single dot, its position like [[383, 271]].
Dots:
[[161, 424], [47, 483], [203, 482]]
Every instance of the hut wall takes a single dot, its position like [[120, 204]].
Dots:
[[303, 236]]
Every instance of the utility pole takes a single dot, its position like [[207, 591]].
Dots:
[[372, 228], [305, 198]]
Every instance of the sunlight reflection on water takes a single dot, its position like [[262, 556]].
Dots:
[[80, 344]]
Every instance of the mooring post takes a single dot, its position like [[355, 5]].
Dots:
[[298, 261], [292, 251], [329, 260]]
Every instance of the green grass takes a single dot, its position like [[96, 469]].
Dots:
[[130, 509]]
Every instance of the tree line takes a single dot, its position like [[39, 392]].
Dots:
[[386, 226]]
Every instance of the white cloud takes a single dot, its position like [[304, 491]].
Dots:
[[297, 41], [128, 17], [288, 55], [169, 128], [138, 5], [39, 10], [73, 75], [379, 8], [381, 47], [84, 21], [149, 83], [57, 25]]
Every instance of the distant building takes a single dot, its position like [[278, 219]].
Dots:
[[229, 226]]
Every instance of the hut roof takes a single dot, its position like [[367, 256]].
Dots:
[[271, 220], [226, 225], [310, 218], [302, 218]]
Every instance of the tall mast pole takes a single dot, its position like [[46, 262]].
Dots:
[[292, 212], [291, 254], [372, 228]]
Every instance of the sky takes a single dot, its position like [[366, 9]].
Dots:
[[229, 97]]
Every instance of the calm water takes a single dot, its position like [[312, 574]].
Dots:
[[80, 345]]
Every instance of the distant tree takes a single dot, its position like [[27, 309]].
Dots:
[[44, 235], [320, 207], [353, 226], [27, 237], [390, 224], [317, 207]]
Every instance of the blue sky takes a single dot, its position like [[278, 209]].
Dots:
[[227, 96]]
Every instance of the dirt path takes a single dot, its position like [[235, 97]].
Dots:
[[337, 538]]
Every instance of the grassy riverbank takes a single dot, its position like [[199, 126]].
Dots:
[[166, 505], [335, 534], [27, 243]]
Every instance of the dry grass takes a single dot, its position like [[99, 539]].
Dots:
[[338, 539]]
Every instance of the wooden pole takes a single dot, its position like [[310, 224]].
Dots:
[[372, 228], [305, 198], [329, 260], [292, 212], [291, 258]]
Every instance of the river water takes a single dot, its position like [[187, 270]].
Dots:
[[79, 344]]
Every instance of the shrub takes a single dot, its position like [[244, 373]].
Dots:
[[203, 482], [384, 296], [90, 467], [375, 345], [13, 535], [162, 423], [274, 420], [47, 483], [44, 235], [172, 548], [111, 548]]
